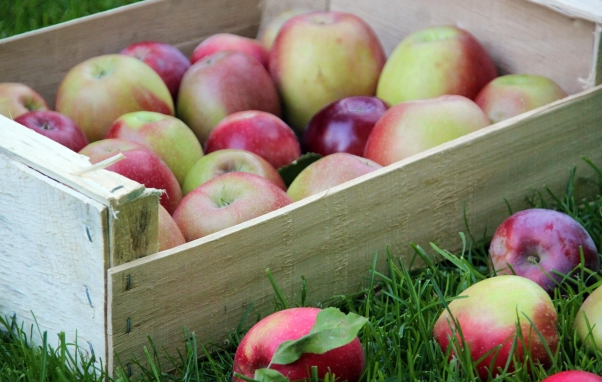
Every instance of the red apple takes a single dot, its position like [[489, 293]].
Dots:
[[514, 94], [573, 376], [588, 321], [55, 126], [488, 316], [343, 126], [17, 98], [170, 235], [230, 160], [225, 201], [534, 242], [165, 135], [221, 84], [411, 127], [320, 57], [227, 41], [99, 90], [167, 60], [259, 132], [435, 61], [327, 172], [140, 164], [268, 33], [258, 346]]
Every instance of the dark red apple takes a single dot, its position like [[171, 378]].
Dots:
[[55, 126], [343, 126]]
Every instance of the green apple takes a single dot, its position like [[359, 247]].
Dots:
[[588, 321]]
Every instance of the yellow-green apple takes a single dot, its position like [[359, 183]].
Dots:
[[170, 235], [327, 172], [96, 92], [55, 126], [573, 376], [411, 127], [435, 61], [258, 347], [588, 321], [319, 57], [537, 243], [259, 132], [165, 135], [225, 201], [343, 125], [140, 164], [167, 60], [513, 94], [230, 160], [221, 84], [485, 317], [228, 41], [17, 98], [268, 33]]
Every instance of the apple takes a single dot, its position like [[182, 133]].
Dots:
[[488, 316], [258, 346], [268, 33], [225, 201], [343, 126], [588, 321], [320, 57], [411, 127], [435, 61], [259, 132], [140, 164], [96, 92], [55, 126], [573, 376], [170, 235], [513, 94], [165, 135], [17, 99], [221, 84], [230, 160], [327, 172], [165, 59], [227, 41], [534, 242]]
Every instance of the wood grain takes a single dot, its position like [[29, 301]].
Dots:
[[331, 238]]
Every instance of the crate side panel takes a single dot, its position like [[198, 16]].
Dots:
[[331, 238], [522, 37], [53, 254], [272, 8], [183, 23]]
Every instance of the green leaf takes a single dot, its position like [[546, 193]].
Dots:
[[332, 329], [290, 171], [269, 375]]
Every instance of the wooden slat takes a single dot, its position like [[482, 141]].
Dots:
[[331, 238], [183, 23], [272, 8], [584, 9]]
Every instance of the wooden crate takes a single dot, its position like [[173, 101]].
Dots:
[[78, 247]]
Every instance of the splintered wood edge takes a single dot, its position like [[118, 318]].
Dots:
[[590, 10]]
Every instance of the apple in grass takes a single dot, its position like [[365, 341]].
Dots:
[[486, 319], [259, 132], [588, 321], [140, 164], [97, 91], [169, 234], [17, 99], [165, 135], [55, 126], [513, 94], [411, 127], [343, 126], [537, 242], [221, 84], [573, 376], [435, 61], [230, 160], [327, 172], [225, 201], [268, 33], [228, 41], [320, 57], [165, 59]]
